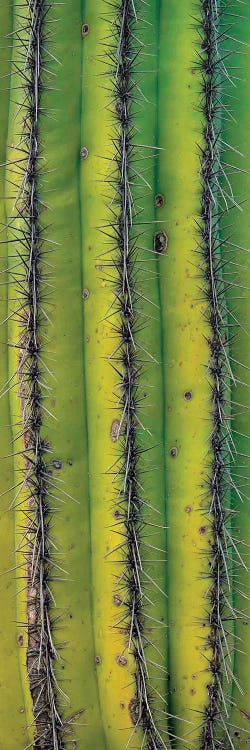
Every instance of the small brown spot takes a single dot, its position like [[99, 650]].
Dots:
[[192, 691], [159, 200], [115, 430], [85, 29], [133, 710], [122, 705], [69, 462], [117, 600], [188, 395], [160, 242], [121, 660], [20, 639], [21, 710], [85, 294], [173, 452], [194, 676], [98, 660], [188, 509], [202, 530], [84, 153]]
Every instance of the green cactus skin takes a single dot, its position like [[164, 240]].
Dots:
[[187, 390], [196, 378], [71, 532], [104, 394], [124, 409]]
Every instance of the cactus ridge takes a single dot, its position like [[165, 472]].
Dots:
[[215, 201], [31, 278], [130, 505]]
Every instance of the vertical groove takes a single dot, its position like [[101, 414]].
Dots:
[[91, 585], [162, 347]]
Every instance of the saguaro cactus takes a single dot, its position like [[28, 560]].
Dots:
[[124, 415]]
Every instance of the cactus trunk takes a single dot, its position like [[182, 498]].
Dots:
[[124, 149]]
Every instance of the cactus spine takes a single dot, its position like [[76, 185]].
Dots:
[[124, 375]]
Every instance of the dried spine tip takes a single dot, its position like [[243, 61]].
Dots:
[[124, 58], [41, 653], [213, 70]]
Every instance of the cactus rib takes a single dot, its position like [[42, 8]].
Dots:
[[220, 575], [65, 421], [31, 279], [235, 239], [130, 365], [118, 338], [113, 669], [186, 353], [41, 651], [13, 638]]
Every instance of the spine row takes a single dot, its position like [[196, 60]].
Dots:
[[32, 280], [214, 201], [128, 364]]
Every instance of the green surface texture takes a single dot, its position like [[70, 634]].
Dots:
[[124, 375]]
